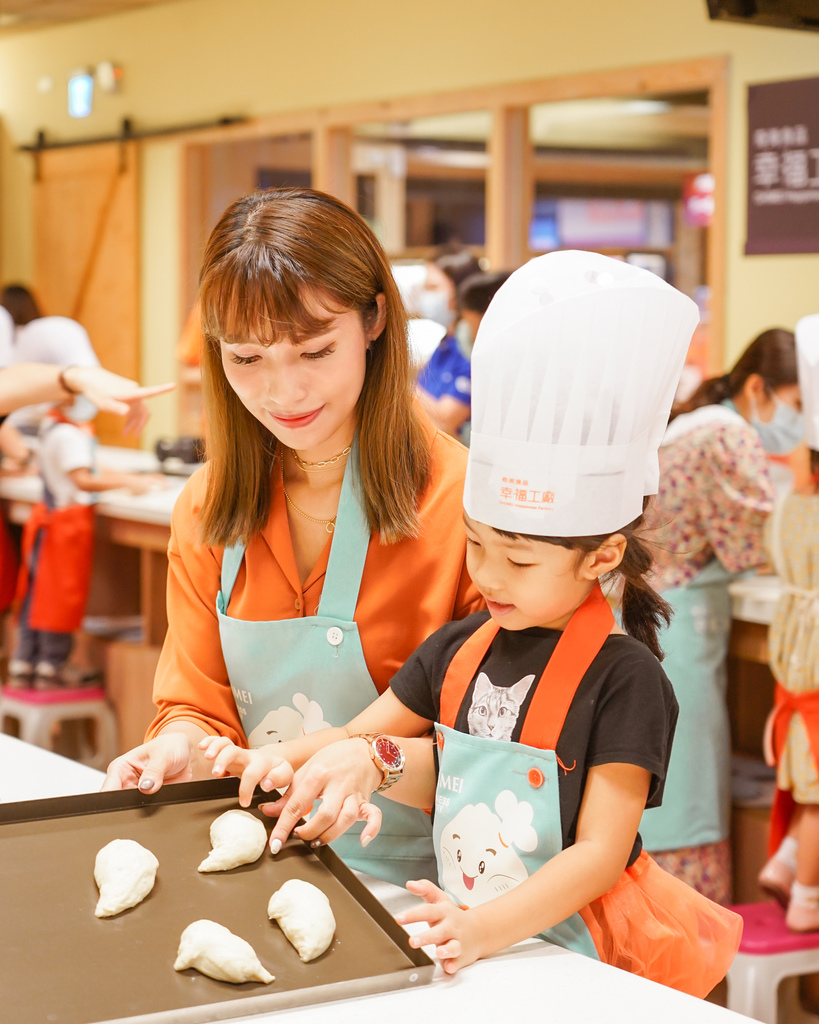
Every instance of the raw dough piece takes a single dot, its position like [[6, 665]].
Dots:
[[237, 837], [125, 873], [214, 950], [305, 917]]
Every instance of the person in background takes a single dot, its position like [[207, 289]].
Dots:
[[37, 339], [792, 738], [57, 545], [552, 726], [323, 540], [20, 303], [443, 384], [452, 373], [714, 498]]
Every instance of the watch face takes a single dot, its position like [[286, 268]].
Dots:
[[389, 752]]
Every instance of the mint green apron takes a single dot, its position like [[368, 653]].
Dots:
[[697, 797], [497, 805], [295, 676]]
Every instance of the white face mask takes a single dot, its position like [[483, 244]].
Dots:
[[783, 432], [434, 305]]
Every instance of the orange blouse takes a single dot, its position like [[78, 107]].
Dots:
[[407, 591]]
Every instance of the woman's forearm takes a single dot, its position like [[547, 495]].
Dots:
[[29, 384]]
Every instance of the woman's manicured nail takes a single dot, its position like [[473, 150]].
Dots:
[[275, 845]]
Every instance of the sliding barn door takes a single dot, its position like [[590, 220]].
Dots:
[[86, 230]]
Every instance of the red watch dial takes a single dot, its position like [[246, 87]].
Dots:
[[389, 752]]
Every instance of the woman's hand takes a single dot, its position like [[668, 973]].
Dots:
[[166, 758], [454, 932], [344, 778], [262, 767], [111, 393]]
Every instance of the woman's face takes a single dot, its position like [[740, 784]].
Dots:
[[306, 393]]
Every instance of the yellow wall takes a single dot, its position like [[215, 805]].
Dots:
[[195, 60]]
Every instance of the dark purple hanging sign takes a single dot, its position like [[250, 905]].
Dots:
[[783, 167]]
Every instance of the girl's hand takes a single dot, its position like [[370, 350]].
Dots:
[[453, 930], [262, 767], [142, 483], [344, 778]]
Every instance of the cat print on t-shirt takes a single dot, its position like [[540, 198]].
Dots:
[[494, 710]]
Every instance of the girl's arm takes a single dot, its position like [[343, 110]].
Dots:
[[110, 479], [613, 803], [339, 777]]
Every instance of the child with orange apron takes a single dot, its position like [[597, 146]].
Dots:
[[792, 873], [58, 546], [552, 725]]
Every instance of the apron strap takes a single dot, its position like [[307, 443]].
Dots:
[[777, 554], [576, 650], [462, 671], [348, 550], [231, 563]]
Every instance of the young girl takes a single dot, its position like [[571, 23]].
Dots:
[[792, 874], [58, 541], [552, 726]]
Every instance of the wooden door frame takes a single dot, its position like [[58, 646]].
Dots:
[[510, 183]]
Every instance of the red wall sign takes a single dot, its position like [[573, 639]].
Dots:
[[783, 167]]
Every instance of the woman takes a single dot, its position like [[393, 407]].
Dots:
[[715, 494], [323, 540], [444, 383]]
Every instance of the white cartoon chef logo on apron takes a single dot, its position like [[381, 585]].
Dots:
[[289, 723], [476, 849]]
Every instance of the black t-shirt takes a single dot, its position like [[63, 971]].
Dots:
[[624, 710]]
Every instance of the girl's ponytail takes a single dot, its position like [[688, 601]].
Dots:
[[644, 612]]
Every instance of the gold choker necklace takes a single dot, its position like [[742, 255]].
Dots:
[[307, 466], [328, 524]]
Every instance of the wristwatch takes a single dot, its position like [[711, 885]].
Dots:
[[386, 755]]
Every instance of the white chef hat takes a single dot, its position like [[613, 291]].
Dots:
[[807, 362], [573, 374]]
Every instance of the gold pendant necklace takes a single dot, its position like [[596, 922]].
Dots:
[[307, 466], [328, 524]]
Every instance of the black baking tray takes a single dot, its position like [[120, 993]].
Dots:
[[62, 965]]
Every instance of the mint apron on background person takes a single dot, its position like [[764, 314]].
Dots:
[[312, 671], [497, 806], [697, 797]]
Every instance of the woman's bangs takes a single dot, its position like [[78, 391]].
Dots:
[[262, 304]]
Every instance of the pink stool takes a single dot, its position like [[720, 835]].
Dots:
[[767, 955], [37, 712]]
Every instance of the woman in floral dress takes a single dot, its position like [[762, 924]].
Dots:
[[715, 495]]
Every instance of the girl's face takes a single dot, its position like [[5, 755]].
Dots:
[[526, 582], [305, 393]]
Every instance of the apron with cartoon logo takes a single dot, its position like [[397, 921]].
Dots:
[[497, 820], [296, 676]]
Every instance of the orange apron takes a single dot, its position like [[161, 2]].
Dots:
[[785, 703], [63, 575]]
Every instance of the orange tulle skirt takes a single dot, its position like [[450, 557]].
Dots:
[[653, 925]]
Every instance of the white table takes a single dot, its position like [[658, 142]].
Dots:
[[535, 981]]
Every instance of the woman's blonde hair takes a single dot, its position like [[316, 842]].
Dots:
[[268, 255]]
